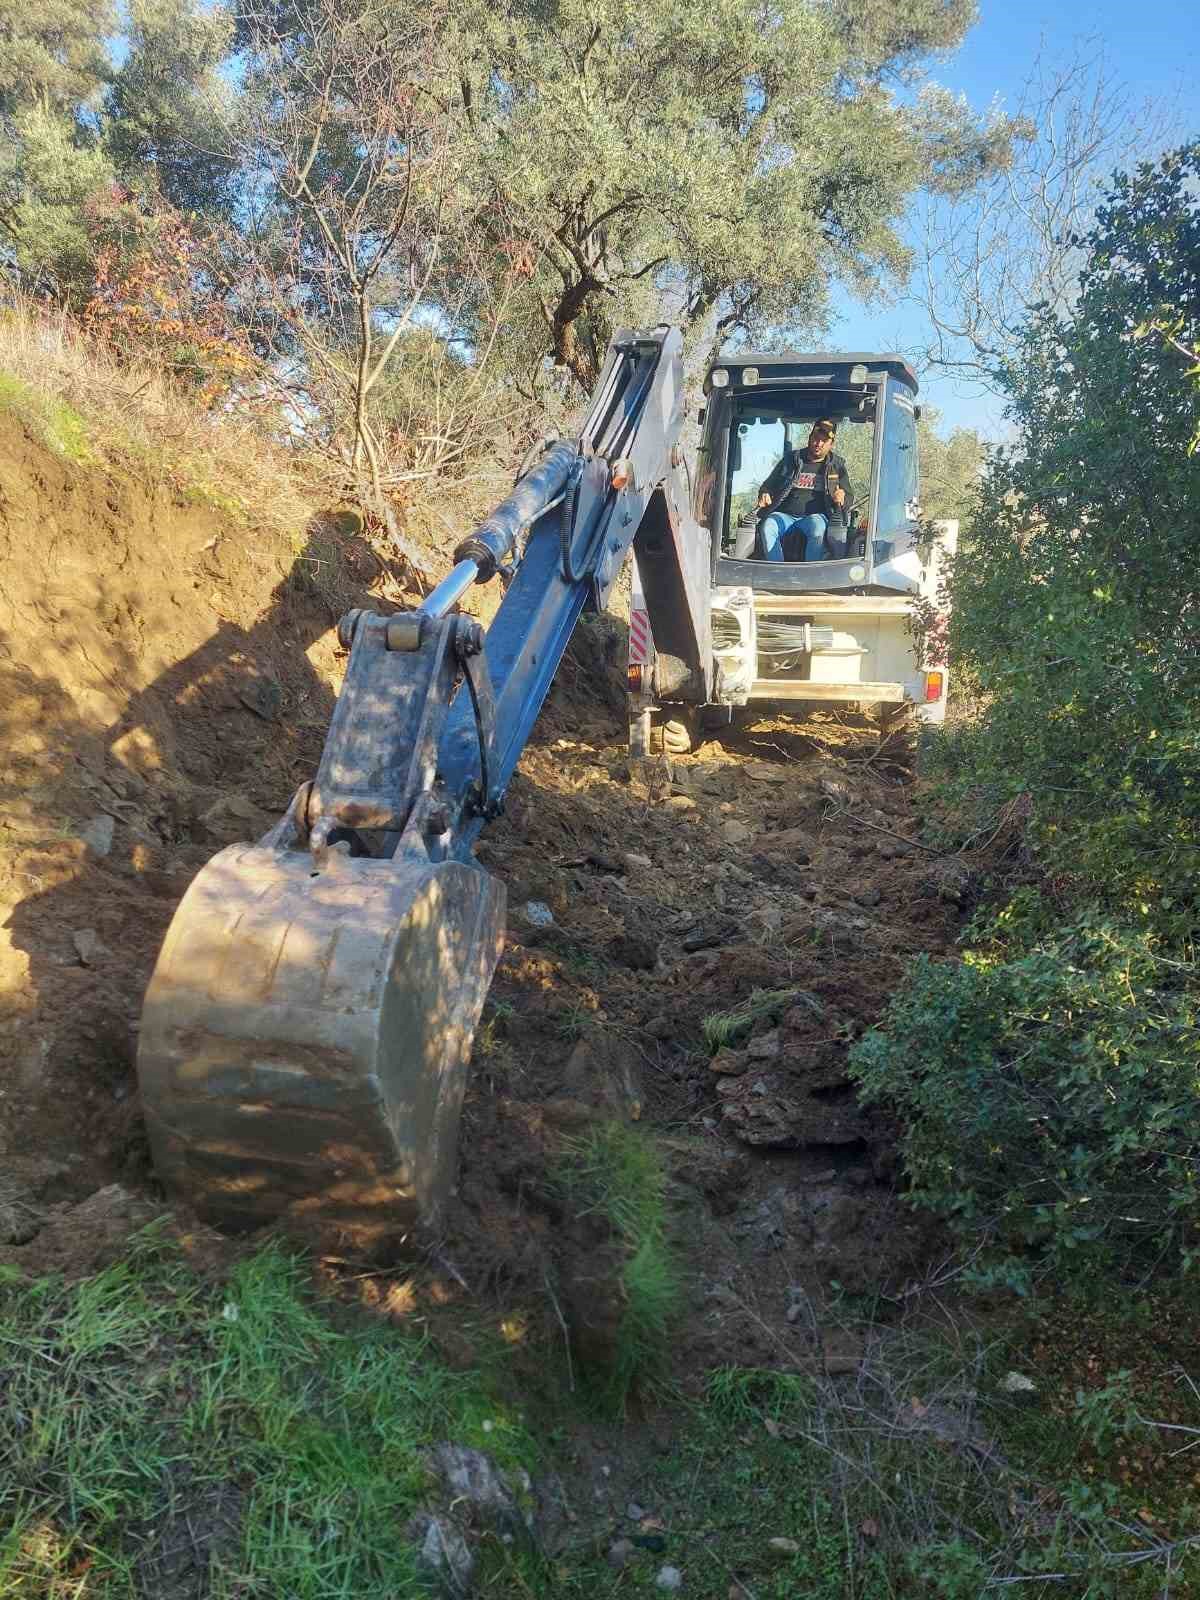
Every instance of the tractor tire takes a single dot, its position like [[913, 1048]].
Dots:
[[677, 736]]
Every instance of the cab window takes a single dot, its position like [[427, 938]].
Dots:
[[897, 467]]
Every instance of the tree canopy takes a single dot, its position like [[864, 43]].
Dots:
[[729, 162]]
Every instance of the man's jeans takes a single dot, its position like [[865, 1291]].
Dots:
[[818, 537]]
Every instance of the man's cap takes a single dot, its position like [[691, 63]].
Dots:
[[825, 425]]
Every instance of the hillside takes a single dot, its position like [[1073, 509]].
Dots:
[[723, 929]]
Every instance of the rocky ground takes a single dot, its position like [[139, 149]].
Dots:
[[781, 866]]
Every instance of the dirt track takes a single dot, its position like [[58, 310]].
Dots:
[[166, 683]]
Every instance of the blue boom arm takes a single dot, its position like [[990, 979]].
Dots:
[[434, 714]]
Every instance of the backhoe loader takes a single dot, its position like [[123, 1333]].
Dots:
[[307, 1028]]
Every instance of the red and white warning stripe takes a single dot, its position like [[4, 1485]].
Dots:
[[639, 636]]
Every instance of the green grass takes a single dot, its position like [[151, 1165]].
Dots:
[[55, 423], [726, 1027], [144, 1402], [780, 1486], [148, 1410], [616, 1171]]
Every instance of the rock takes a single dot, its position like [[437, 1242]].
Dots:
[[660, 1028], [604, 1072], [538, 914], [795, 843], [98, 835], [785, 1117], [731, 1063], [263, 696], [736, 832], [480, 1490], [635, 1512], [621, 1554], [765, 1047], [842, 1216], [635, 862], [233, 819], [784, 1547], [669, 1578], [768, 918], [869, 897], [681, 802], [835, 789], [637, 954], [1018, 1383], [571, 1115], [604, 863], [709, 935], [81, 1240], [950, 881], [87, 945], [19, 1221], [443, 1552], [804, 1007]]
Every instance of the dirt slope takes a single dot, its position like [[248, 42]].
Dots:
[[165, 683]]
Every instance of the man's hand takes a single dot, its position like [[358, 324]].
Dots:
[[763, 500], [838, 496]]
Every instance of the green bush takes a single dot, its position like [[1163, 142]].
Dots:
[[1051, 1096], [1072, 612]]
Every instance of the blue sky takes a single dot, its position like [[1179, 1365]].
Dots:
[[1153, 47]]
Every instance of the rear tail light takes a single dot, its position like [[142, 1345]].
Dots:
[[633, 677], [935, 684]]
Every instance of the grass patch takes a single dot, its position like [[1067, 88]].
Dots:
[[616, 1172], [94, 409], [145, 1412], [920, 1478], [724, 1028], [59, 427], [144, 1402]]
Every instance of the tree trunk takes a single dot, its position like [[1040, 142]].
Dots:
[[568, 351]]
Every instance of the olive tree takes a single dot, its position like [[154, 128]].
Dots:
[[723, 164]]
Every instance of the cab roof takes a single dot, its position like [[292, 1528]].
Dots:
[[831, 366]]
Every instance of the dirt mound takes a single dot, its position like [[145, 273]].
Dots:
[[166, 679]]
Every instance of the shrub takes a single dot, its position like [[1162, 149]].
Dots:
[[1051, 1094]]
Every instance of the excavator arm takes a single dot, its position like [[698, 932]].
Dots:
[[306, 1032]]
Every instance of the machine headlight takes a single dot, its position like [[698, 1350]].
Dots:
[[858, 374], [720, 379], [858, 573]]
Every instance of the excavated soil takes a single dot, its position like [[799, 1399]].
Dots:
[[166, 680], [778, 858]]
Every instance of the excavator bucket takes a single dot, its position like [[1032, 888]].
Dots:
[[306, 1033], [304, 1040]]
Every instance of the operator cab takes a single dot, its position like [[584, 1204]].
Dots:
[[759, 407]]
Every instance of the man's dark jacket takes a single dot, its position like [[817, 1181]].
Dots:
[[778, 484]]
